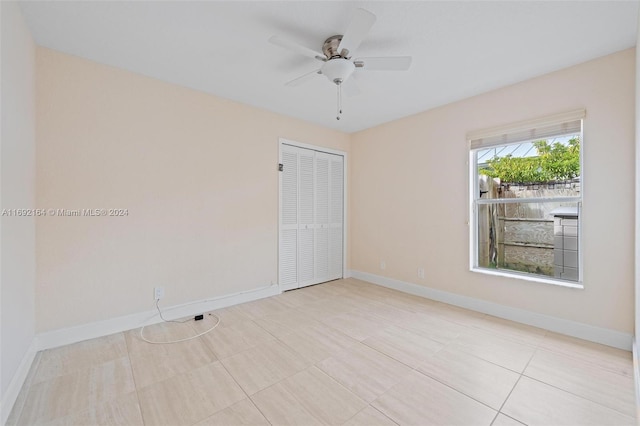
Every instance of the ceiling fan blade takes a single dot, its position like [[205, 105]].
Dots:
[[358, 29], [295, 47], [351, 88], [302, 79], [388, 63]]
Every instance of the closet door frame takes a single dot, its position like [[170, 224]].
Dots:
[[283, 141]]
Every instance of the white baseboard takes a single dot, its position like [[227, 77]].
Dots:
[[636, 376], [66, 336], [11, 395], [605, 336]]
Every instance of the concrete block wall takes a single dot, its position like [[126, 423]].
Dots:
[[565, 248]]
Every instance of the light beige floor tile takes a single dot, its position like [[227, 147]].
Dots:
[[479, 379], [14, 416], [366, 288], [503, 420], [308, 397], [328, 308], [78, 391], [364, 371], [456, 314], [165, 331], [403, 345], [282, 408], [521, 333], [504, 352], [407, 302], [337, 287], [329, 289], [318, 342], [379, 290], [234, 337], [123, 410], [353, 283], [300, 297], [361, 300], [370, 417], [190, 397], [286, 322], [535, 403], [370, 293], [230, 315], [242, 413], [358, 298], [584, 379], [603, 356], [67, 359], [262, 308], [264, 365], [433, 327], [154, 363], [92, 382], [388, 292], [357, 324], [420, 400], [389, 313]]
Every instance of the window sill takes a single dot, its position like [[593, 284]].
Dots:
[[527, 277]]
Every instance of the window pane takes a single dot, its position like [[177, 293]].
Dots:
[[536, 169], [539, 238]]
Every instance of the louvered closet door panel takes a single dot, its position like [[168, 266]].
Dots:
[[322, 218], [311, 219], [289, 259], [306, 218], [288, 267], [336, 220]]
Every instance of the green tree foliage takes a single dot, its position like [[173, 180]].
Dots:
[[554, 162]]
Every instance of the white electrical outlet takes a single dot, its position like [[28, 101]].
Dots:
[[158, 293], [421, 273], [383, 265]]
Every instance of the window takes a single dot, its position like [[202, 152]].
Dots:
[[526, 198]]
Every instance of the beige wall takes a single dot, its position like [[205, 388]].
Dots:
[[197, 173], [198, 176], [409, 193], [17, 191]]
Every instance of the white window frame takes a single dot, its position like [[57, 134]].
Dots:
[[511, 134]]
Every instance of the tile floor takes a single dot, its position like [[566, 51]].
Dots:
[[344, 352]]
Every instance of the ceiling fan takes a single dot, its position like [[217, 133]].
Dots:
[[337, 55]]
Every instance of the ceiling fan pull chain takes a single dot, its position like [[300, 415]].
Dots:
[[338, 100], [339, 84]]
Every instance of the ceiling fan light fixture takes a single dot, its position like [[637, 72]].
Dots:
[[337, 70], [338, 56]]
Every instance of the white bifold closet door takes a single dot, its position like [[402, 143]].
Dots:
[[311, 217]]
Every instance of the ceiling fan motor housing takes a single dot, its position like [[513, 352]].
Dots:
[[330, 47]]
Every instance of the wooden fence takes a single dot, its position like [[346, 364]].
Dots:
[[526, 245], [518, 236]]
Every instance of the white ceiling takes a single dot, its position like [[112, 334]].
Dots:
[[459, 49]]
